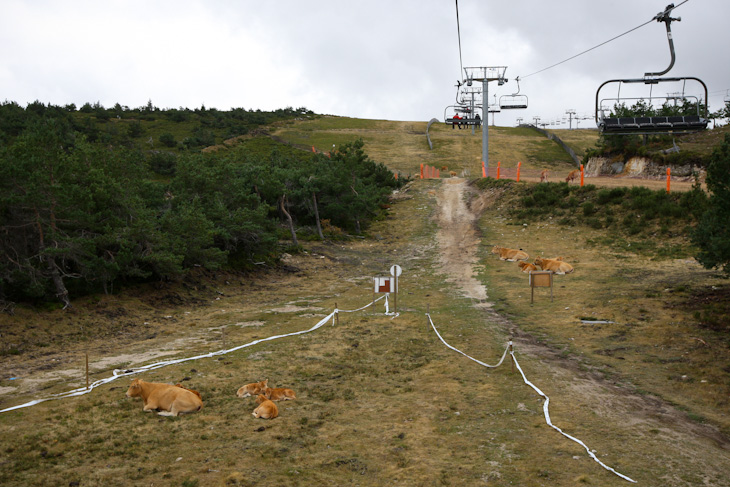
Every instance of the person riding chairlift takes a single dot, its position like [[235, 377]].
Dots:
[[455, 123]]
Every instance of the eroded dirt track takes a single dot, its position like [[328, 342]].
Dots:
[[458, 240]]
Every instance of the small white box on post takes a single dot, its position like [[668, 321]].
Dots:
[[384, 285]]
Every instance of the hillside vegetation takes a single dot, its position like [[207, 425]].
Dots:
[[632, 349], [84, 213]]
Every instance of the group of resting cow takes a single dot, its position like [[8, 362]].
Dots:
[[556, 265], [173, 400]]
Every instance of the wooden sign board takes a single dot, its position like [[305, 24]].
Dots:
[[540, 279]]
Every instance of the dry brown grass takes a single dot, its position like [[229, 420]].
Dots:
[[379, 399]]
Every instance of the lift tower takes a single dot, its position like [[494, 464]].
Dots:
[[485, 75]]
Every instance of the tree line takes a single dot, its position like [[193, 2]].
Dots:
[[148, 127], [80, 216]]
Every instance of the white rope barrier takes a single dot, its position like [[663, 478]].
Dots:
[[117, 373], [465, 355], [360, 309], [547, 420], [545, 405]]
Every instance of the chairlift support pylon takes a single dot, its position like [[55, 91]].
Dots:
[[653, 125], [485, 74]]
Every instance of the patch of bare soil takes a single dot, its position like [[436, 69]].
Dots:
[[458, 240], [45, 352]]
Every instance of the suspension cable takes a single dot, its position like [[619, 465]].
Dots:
[[458, 31], [599, 45]]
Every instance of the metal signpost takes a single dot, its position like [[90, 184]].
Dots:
[[395, 271]]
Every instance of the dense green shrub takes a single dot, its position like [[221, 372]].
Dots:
[[712, 235], [77, 215]]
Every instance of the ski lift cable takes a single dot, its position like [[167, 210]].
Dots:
[[458, 32], [599, 45]]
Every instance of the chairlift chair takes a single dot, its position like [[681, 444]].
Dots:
[[653, 124], [515, 101], [465, 110]]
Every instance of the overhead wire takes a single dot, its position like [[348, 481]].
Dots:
[[598, 45], [458, 32]]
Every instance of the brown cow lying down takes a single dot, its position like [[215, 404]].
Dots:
[[253, 389], [191, 390], [279, 393], [169, 400], [526, 267], [266, 409], [557, 266], [511, 255]]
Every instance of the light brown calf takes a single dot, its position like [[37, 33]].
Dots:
[[266, 409], [526, 267], [253, 389], [557, 266], [511, 255], [279, 394]]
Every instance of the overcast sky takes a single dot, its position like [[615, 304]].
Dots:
[[376, 59]]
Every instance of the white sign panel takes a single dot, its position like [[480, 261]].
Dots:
[[384, 284]]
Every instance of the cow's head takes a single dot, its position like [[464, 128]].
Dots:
[[135, 388]]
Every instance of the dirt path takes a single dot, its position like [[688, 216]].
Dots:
[[664, 436], [458, 240]]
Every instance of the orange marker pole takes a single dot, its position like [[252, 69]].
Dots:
[[421, 170], [498, 167], [519, 166], [669, 174], [581, 175], [313, 150], [484, 170]]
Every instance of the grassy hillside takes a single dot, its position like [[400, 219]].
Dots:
[[403, 145], [632, 350]]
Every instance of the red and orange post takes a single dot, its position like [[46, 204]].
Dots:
[[498, 168], [581, 175], [669, 176], [519, 166]]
